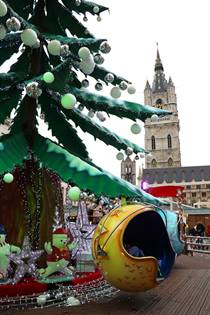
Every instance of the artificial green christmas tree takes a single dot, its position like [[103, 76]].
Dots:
[[54, 48]]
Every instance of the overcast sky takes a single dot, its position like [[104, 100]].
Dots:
[[182, 29]]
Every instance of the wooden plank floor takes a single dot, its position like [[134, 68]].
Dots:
[[186, 291]]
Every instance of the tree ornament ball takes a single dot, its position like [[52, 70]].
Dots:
[[131, 89], [13, 24], [54, 47], [85, 83], [29, 37], [48, 77], [129, 151], [109, 77], [91, 113], [74, 193], [3, 8], [33, 90], [77, 2], [8, 178], [154, 118], [96, 9], [135, 129], [84, 53], [120, 156], [99, 19], [105, 48], [80, 107], [98, 86], [64, 50], [41, 299], [100, 116], [98, 59], [68, 101], [115, 92], [123, 85], [3, 32], [87, 66], [142, 155], [36, 45]]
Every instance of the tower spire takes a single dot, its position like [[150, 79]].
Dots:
[[159, 82], [158, 62]]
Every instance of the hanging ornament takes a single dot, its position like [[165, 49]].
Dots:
[[83, 195], [115, 92], [3, 32], [105, 48], [123, 85], [98, 86], [96, 9], [99, 19], [77, 2], [135, 129], [81, 107], [33, 90], [131, 89], [91, 113], [8, 178], [100, 116], [13, 24], [72, 301], [3, 8], [136, 157], [87, 66], [120, 156], [154, 118], [98, 59], [64, 52], [84, 53], [48, 77], [68, 101], [129, 151], [41, 299], [36, 45], [142, 155], [54, 47], [85, 19], [85, 83], [109, 78], [29, 37], [74, 193]]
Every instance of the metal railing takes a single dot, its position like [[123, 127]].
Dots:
[[197, 244]]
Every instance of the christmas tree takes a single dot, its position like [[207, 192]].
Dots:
[[54, 48]]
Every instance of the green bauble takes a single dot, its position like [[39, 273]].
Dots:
[[68, 101], [48, 77], [74, 193], [8, 178], [136, 129], [3, 8], [29, 37], [120, 156]]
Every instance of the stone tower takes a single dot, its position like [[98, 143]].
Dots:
[[128, 170], [162, 136]]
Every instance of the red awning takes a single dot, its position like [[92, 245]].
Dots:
[[165, 191]]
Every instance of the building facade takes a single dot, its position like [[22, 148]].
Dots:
[[128, 170], [162, 136]]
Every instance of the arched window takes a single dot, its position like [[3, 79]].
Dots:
[[153, 143], [159, 103], [170, 162], [169, 141], [154, 163]]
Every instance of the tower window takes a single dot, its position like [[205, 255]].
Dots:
[[170, 162], [169, 141], [154, 163], [159, 101], [153, 143]]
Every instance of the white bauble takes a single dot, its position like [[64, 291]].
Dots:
[[29, 37], [3, 32], [131, 89], [13, 24], [3, 8], [96, 9], [105, 48], [154, 118], [115, 92], [91, 113], [120, 156], [54, 47], [72, 301], [142, 155], [109, 77], [100, 116], [84, 53], [129, 151], [123, 85], [87, 66], [41, 299], [135, 129], [99, 19]]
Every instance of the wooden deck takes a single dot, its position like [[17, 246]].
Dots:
[[186, 291]]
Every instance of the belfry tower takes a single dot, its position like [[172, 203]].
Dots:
[[162, 136]]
